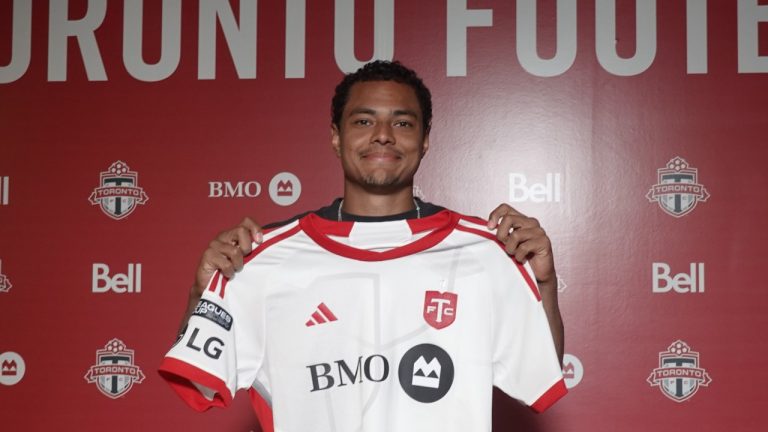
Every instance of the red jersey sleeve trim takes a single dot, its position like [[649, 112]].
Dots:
[[528, 280], [263, 411], [550, 397], [180, 375]]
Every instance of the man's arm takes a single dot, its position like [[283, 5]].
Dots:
[[224, 253], [526, 240]]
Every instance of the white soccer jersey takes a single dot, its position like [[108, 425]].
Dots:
[[384, 326]]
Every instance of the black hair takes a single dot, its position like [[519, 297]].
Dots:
[[383, 70]]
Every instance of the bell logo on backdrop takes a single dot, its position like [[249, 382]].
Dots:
[[677, 190], [573, 371], [691, 282], [4, 188], [5, 284], [129, 282], [118, 192], [284, 189], [679, 375], [547, 191], [114, 372], [12, 368]]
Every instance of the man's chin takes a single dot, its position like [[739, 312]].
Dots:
[[383, 185]]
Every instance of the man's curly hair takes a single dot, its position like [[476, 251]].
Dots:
[[382, 70]]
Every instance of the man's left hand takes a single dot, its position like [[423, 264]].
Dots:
[[525, 239]]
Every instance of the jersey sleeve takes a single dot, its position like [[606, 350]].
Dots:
[[525, 363], [222, 349]]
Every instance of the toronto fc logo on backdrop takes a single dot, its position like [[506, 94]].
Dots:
[[114, 372], [679, 375], [440, 308], [118, 192], [5, 284], [678, 190]]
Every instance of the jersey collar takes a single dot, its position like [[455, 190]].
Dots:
[[318, 229]]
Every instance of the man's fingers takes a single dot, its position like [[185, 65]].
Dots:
[[510, 223], [524, 241], [239, 236], [254, 229], [226, 251], [499, 212]]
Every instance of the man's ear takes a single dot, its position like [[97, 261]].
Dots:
[[335, 140], [425, 145]]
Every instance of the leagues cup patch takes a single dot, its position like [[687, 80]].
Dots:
[[118, 192], [678, 190], [114, 372], [215, 313], [679, 375]]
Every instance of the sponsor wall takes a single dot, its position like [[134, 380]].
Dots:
[[132, 132]]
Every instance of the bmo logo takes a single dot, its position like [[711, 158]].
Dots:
[[691, 282], [103, 281], [241, 189], [523, 190]]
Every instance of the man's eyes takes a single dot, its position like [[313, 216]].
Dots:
[[398, 123]]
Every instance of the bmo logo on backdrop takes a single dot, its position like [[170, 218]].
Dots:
[[105, 280], [523, 189], [691, 282], [284, 189], [227, 189]]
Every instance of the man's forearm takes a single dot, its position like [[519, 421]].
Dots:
[[548, 292]]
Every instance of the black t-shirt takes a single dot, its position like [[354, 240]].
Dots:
[[331, 212]]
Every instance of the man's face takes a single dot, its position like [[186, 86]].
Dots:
[[380, 138]]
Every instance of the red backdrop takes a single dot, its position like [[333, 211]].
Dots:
[[635, 134]]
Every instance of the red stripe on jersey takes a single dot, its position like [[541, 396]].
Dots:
[[327, 312], [278, 238], [520, 267], [263, 410], [214, 281], [318, 318], [180, 375], [550, 397]]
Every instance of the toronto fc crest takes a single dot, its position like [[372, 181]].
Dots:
[[118, 192], [677, 190], [679, 375], [114, 372], [440, 308]]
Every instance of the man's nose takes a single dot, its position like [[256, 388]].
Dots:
[[383, 134]]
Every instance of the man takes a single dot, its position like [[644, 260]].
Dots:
[[370, 268]]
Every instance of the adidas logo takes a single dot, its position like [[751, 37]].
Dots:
[[322, 315]]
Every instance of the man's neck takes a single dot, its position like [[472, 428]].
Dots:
[[364, 203]]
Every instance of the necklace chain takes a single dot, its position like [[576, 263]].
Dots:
[[415, 203]]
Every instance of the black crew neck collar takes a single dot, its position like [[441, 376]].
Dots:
[[410, 214]]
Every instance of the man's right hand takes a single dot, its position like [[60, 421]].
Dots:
[[226, 253]]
